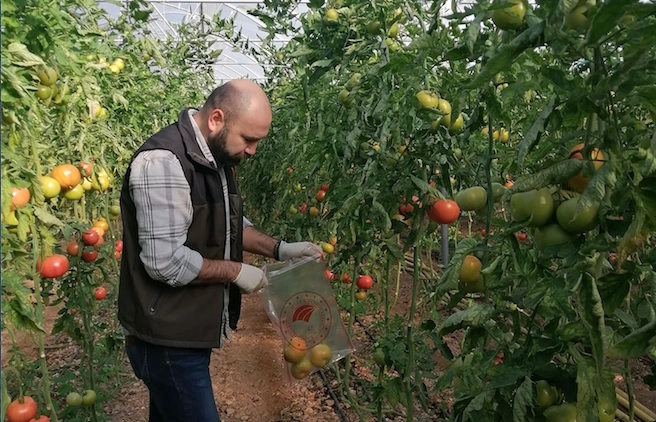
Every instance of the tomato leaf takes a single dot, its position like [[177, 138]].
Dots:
[[613, 289], [595, 191], [606, 19], [523, 401], [553, 175], [45, 217], [585, 381], [473, 316], [472, 31], [634, 236], [606, 395], [635, 344], [24, 57], [16, 302], [472, 411], [533, 134], [592, 313], [573, 332], [507, 55]]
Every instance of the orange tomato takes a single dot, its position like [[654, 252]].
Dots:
[[67, 175], [19, 197]]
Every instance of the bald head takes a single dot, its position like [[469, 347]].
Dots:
[[237, 97], [233, 120]]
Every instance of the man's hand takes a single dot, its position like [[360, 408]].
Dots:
[[250, 279], [287, 251]]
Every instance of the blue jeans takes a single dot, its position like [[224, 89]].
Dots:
[[178, 380]]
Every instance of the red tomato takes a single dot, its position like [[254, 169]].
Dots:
[[325, 187], [42, 418], [320, 196], [483, 232], [521, 236], [405, 209], [73, 248], [444, 211], [54, 266], [90, 237], [89, 255], [100, 293], [346, 279], [364, 282], [329, 274], [119, 246], [117, 254], [21, 412], [86, 167]]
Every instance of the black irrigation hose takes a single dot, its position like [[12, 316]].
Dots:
[[366, 331], [338, 408]]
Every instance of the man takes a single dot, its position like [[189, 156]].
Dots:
[[183, 236]]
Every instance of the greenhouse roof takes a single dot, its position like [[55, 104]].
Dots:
[[231, 64]]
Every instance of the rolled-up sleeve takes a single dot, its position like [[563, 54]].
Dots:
[[162, 197]]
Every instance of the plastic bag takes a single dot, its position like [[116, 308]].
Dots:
[[300, 303]]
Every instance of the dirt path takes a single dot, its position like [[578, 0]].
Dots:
[[247, 379]]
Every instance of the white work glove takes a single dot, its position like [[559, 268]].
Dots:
[[287, 251], [250, 279]]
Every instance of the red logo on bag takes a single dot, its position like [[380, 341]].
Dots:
[[306, 315], [303, 313]]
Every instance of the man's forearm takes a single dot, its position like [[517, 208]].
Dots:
[[218, 271], [258, 243]]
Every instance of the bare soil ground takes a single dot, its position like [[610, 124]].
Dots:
[[247, 374]]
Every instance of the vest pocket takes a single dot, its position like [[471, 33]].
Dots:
[[154, 303]]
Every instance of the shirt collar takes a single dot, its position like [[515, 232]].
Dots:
[[200, 139]]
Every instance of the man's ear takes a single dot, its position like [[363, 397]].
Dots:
[[216, 120]]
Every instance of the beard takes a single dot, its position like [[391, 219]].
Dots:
[[218, 147]]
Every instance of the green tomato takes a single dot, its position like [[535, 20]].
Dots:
[[561, 413], [379, 357], [89, 398], [510, 17], [577, 223], [74, 399], [471, 199], [477, 286], [43, 92], [551, 235], [497, 191], [546, 394], [536, 203], [47, 75]]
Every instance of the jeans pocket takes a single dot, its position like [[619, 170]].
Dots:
[[138, 356]]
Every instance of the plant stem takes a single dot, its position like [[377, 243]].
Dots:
[[388, 275], [347, 369], [410, 339], [40, 335], [629, 388], [379, 410]]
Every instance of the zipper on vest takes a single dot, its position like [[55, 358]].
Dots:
[[153, 303]]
